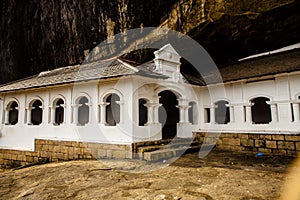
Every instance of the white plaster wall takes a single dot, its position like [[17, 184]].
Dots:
[[281, 91]]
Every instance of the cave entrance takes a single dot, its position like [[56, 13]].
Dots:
[[168, 114]]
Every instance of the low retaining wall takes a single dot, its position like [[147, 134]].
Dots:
[[53, 151], [278, 144]]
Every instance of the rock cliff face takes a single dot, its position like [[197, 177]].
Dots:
[[40, 35]]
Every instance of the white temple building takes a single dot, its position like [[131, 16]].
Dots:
[[120, 102]]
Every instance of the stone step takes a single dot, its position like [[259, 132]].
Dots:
[[163, 154], [143, 149]]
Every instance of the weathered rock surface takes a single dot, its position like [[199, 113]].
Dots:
[[40, 35], [221, 175]]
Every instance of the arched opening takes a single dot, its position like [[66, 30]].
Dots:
[[59, 112], [168, 114], [143, 112], [222, 115], [13, 113], [83, 111], [261, 111], [36, 112], [112, 110], [192, 112]]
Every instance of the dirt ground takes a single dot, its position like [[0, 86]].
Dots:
[[220, 175]]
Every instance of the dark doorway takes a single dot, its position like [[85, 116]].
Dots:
[[112, 110], [143, 112], [59, 112], [222, 115], [168, 114], [83, 111], [36, 113], [261, 111], [13, 113]]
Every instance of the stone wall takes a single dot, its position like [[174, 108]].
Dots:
[[53, 151], [278, 144]]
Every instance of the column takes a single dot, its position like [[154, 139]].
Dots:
[[274, 112], [121, 111], [28, 115], [212, 115], [231, 112], [183, 115], [186, 113], [75, 116], [155, 113], [7, 116], [90, 105], [248, 114], [150, 113], [52, 113], [102, 112], [296, 112], [65, 113]]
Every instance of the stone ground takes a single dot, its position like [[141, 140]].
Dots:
[[220, 175]]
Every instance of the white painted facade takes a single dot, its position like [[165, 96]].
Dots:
[[282, 90]]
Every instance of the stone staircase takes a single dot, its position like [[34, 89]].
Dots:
[[165, 149]]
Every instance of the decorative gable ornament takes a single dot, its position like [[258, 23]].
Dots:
[[167, 62]]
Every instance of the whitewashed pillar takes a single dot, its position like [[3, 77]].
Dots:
[[150, 113], [121, 111], [186, 113], [90, 105], [75, 116], [7, 116], [296, 112], [212, 114], [274, 112], [248, 113], [231, 113], [52, 113], [155, 113], [103, 112], [28, 115]]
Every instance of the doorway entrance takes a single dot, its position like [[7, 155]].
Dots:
[[168, 114]]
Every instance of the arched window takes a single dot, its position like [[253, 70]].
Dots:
[[83, 111], [143, 112], [222, 115], [261, 111], [112, 110], [59, 112], [192, 112], [36, 112], [13, 113]]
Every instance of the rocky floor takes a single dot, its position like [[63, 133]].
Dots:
[[220, 175]]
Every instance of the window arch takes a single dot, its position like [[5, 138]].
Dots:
[[83, 111], [143, 112], [36, 115], [112, 109], [222, 114], [261, 111], [59, 111], [12, 113], [192, 113]]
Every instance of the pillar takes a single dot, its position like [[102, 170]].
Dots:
[[7, 116], [121, 111], [155, 113], [274, 112], [248, 114], [28, 115], [296, 112], [75, 113], [212, 115], [102, 112], [150, 113]]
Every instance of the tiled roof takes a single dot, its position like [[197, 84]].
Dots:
[[89, 71], [272, 64]]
